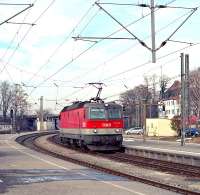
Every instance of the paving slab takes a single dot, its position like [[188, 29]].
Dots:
[[23, 171]]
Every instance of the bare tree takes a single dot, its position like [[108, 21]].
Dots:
[[133, 101], [19, 100], [139, 93], [5, 97], [164, 80], [19, 104], [195, 91]]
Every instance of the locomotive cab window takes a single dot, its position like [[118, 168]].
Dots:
[[97, 113], [114, 113]]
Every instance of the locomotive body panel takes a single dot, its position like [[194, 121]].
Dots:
[[91, 131], [104, 124], [72, 118], [97, 125]]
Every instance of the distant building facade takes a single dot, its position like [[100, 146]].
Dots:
[[51, 122], [171, 104], [28, 123]]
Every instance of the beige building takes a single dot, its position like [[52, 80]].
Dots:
[[159, 127]]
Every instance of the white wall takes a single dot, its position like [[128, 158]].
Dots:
[[5, 127], [172, 108], [48, 125]]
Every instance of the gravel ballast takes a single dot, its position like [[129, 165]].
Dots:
[[163, 177]]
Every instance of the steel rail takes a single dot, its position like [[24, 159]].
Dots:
[[100, 168]]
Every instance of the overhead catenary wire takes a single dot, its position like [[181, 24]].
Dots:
[[153, 49], [118, 94], [8, 73], [30, 5], [56, 50], [59, 71], [72, 31], [60, 45], [17, 4], [111, 82], [73, 93], [147, 62], [186, 47], [170, 36], [114, 57], [25, 35], [41, 76], [15, 35], [47, 61], [90, 20], [121, 92], [143, 64], [64, 66]]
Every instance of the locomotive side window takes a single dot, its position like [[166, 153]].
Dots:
[[114, 113], [97, 113]]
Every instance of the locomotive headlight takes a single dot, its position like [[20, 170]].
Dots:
[[95, 131], [117, 130]]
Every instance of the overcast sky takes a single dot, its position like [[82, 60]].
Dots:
[[48, 62]]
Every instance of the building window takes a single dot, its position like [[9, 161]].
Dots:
[[173, 112], [177, 111]]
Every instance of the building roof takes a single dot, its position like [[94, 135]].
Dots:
[[174, 91]]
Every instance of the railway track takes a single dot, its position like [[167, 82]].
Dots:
[[159, 165], [29, 142]]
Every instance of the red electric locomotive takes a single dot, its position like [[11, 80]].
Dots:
[[92, 124]]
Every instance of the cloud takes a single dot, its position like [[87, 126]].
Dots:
[[100, 63]]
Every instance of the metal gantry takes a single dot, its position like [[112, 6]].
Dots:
[[153, 49]]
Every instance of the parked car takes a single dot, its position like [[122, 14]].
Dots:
[[192, 132], [134, 130]]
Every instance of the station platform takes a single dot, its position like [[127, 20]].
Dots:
[[163, 150], [25, 171]]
